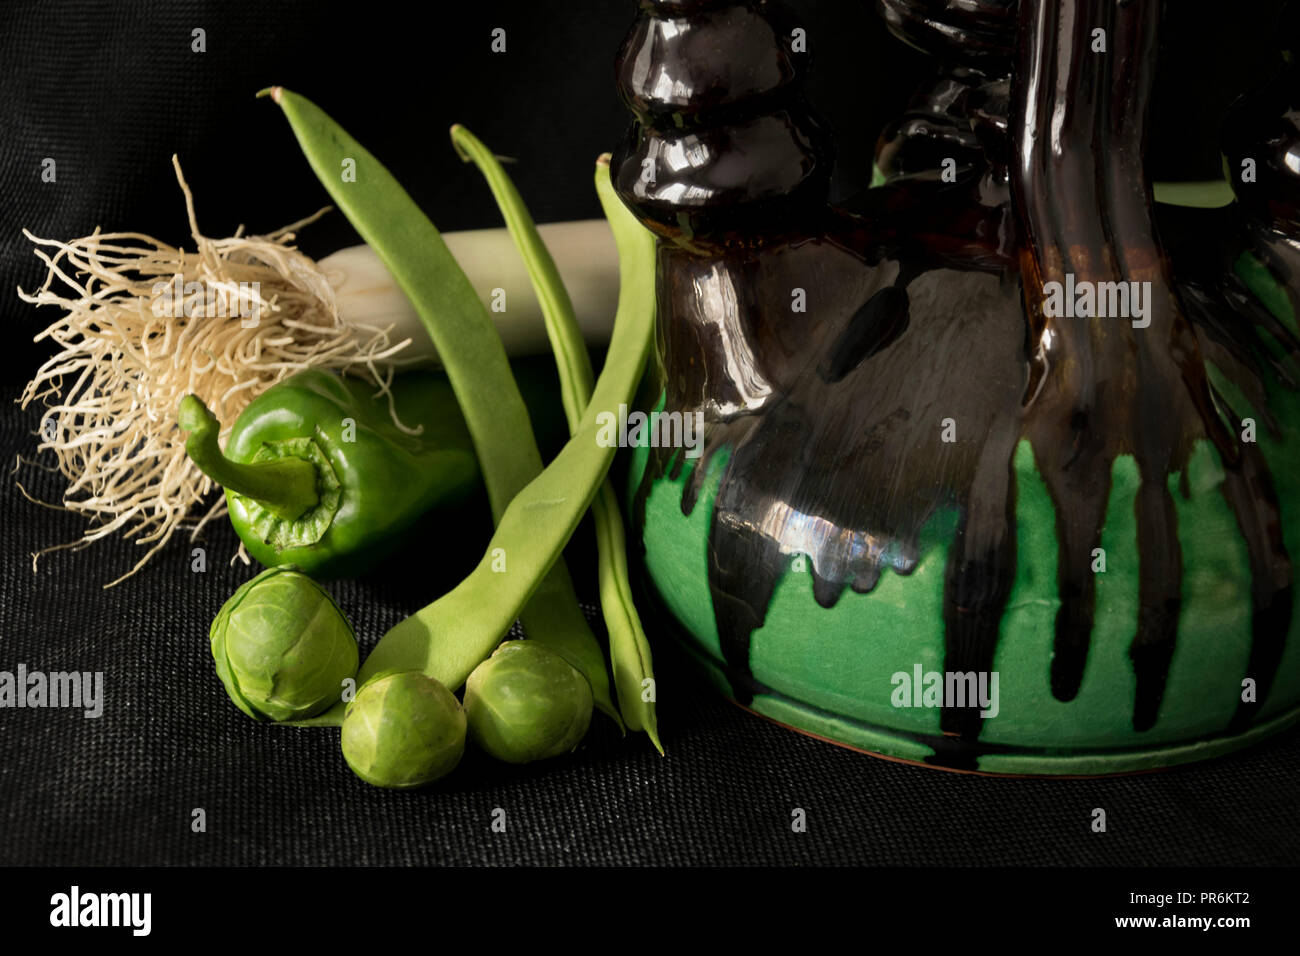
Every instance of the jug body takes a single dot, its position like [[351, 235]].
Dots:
[[991, 475]]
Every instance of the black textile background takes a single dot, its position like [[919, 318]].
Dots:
[[110, 90]]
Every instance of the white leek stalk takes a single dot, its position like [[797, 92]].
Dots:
[[367, 295]]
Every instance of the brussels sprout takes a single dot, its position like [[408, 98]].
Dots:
[[282, 647], [527, 703], [404, 729]]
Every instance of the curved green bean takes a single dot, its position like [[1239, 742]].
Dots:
[[629, 648], [471, 352], [452, 635], [576, 376]]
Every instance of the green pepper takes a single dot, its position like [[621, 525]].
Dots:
[[318, 475]]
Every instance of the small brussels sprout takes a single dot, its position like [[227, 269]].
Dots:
[[403, 729], [282, 647], [527, 703]]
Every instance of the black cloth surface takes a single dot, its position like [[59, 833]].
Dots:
[[111, 90]]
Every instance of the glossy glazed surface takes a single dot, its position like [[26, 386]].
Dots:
[[910, 459]]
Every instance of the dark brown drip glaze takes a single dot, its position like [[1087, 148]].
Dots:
[[699, 109], [935, 127], [1109, 388], [975, 31], [1078, 184], [961, 111], [916, 313]]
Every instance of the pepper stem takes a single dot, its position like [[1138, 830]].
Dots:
[[286, 487]]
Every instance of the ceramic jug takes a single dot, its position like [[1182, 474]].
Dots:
[[999, 462]]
